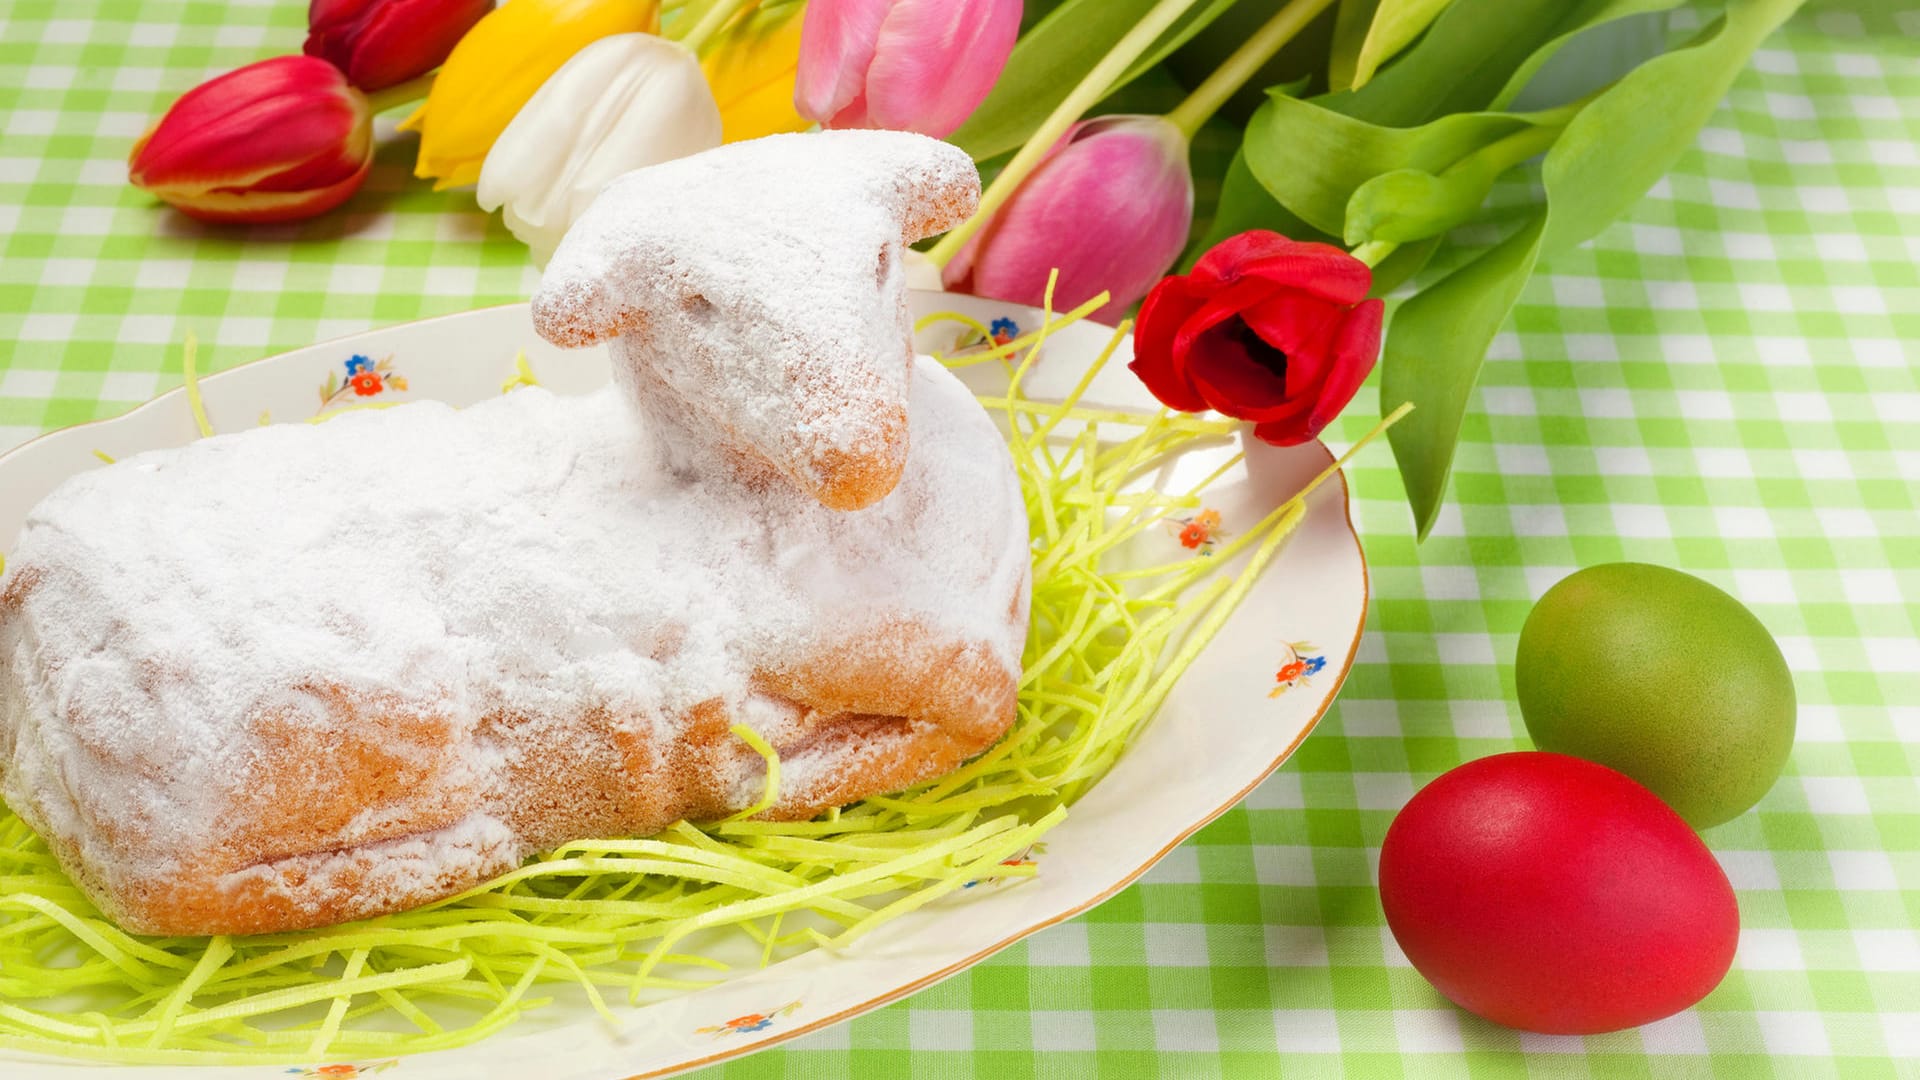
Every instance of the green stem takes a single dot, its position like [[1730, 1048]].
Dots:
[[404, 94], [1374, 251], [1503, 154], [1245, 62], [716, 17], [1084, 96]]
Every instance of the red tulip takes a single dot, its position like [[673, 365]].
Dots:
[[279, 140], [1109, 206], [382, 43], [1265, 329]]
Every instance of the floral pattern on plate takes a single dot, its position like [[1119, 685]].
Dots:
[[366, 377], [346, 1071], [750, 1023], [975, 338], [1198, 533], [1023, 857], [1300, 661]]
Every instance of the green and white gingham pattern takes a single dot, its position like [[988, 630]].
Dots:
[[1724, 382]]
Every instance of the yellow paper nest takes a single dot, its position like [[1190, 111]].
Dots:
[[638, 914]]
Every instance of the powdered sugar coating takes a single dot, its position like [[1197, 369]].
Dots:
[[761, 288], [527, 559], [299, 675]]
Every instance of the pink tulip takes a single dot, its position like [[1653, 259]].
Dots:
[[1109, 206], [906, 65], [277, 140], [382, 43]]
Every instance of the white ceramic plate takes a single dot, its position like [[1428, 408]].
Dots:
[[1226, 726]]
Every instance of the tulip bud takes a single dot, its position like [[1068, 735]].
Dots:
[[498, 66], [620, 104], [908, 65], [1109, 206], [382, 43], [278, 140], [752, 70]]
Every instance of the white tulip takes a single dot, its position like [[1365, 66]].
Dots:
[[622, 103]]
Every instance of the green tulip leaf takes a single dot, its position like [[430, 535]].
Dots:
[[1394, 27], [1312, 159], [1244, 204], [1590, 13], [1406, 261], [1034, 10], [1611, 152], [1459, 64], [1410, 204], [1051, 59], [1405, 205], [1211, 156], [1351, 20], [1469, 56], [1434, 348]]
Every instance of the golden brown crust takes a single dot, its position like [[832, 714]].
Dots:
[[375, 753], [334, 814], [854, 481], [22, 582]]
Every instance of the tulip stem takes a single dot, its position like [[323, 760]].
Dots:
[[1244, 63], [404, 94], [1084, 96], [1374, 251], [717, 16]]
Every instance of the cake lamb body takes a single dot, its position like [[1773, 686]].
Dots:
[[306, 674]]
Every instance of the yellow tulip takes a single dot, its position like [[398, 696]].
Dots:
[[497, 66], [751, 71]]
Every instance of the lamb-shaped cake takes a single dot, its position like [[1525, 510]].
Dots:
[[306, 674]]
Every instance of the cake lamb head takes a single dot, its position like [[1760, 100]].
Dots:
[[754, 297]]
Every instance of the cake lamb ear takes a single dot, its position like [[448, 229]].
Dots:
[[756, 300]]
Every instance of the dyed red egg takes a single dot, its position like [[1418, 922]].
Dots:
[[1554, 895]]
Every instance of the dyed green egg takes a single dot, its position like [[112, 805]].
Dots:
[[1664, 677]]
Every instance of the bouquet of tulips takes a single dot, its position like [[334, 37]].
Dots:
[[1380, 128]]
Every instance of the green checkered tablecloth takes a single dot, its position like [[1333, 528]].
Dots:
[[1724, 382]]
